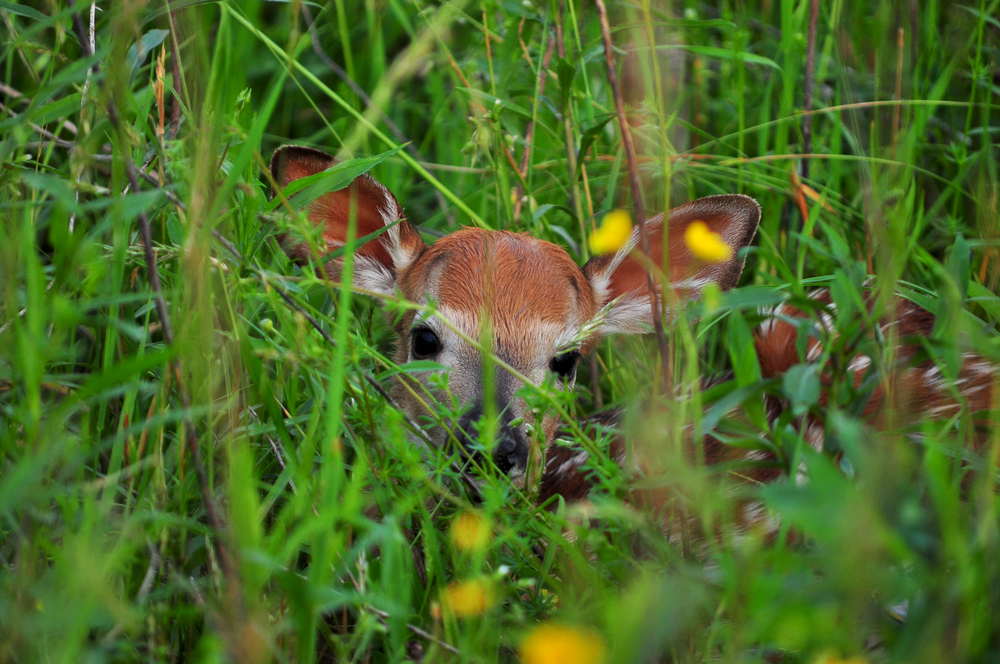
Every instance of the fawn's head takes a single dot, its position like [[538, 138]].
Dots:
[[522, 297]]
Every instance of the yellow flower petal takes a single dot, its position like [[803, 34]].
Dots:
[[471, 531], [615, 230], [707, 246], [557, 644], [468, 598]]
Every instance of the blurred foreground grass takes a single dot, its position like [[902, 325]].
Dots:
[[213, 496]]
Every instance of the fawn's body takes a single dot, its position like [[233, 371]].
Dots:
[[526, 298]]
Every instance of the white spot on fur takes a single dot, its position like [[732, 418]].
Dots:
[[944, 409], [814, 435], [982, 367], [802, 474], [973, 389], [814, 352], [754, 513], [772, 315], [933, 378], [826, 319], [859, 363], [601, 283]]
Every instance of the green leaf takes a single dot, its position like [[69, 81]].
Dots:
[[566, 237], [751, 298], [666, 20], [251, 144], [801, 384], [722, 54], [981, 16], [98, 384], [741, 351], [412, 367], [21, 10], [743, 354], [52, 112], [544, 208], [958, 266], [43, 113], [725, 404], [588, 139], [137, 52], [985, 298], [566, 73]]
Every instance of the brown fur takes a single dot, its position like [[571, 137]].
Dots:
[[478, 272]]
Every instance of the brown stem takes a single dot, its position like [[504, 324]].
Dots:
[[633, 170]]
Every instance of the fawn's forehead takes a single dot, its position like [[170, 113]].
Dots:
[[518, 281]]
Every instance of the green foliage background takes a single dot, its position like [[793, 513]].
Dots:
[[217, 497]]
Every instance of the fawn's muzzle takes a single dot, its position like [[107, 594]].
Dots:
[[510, 453]]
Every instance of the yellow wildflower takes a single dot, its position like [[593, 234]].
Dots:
[[615, 230], [471, 531], [556, 644], [707, 246], [468, 598]]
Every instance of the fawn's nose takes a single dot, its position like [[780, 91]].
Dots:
[[511, 449]]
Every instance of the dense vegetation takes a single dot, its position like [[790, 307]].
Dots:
[[218, 478]]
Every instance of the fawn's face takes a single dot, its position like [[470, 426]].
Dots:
[[522, 298]]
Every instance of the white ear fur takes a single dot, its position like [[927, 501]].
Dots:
[[632, 314], [373, 276]]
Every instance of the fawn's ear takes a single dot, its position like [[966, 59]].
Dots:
[[378, 261], [733, 217]]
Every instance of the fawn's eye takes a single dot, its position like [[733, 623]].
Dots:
[[424, 343], [565, 365]]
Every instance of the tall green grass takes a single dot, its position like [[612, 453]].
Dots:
[[329, 539]]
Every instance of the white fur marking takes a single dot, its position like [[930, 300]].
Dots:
[[859, 363], [573, 462]]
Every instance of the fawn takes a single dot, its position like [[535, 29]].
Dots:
[[534, 298]]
